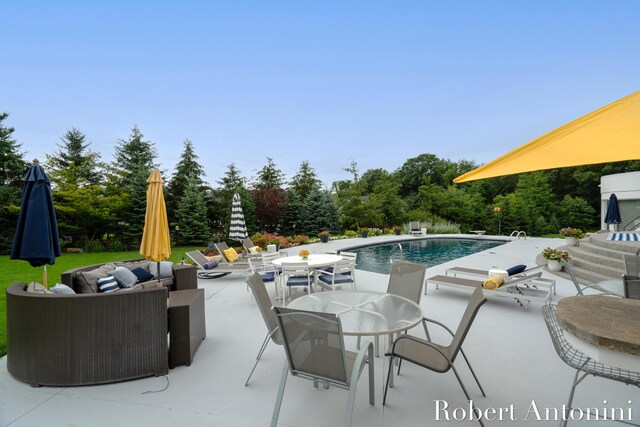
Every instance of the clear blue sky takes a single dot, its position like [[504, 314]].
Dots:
[[326, 81]]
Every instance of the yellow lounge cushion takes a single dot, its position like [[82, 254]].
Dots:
[[253, 250], [231, 254], [493, 283]]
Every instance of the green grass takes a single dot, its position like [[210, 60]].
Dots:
[[20, 271]]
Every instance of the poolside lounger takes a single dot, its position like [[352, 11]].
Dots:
[[221, 270], [518, 288], [474, 272], [221, 247]]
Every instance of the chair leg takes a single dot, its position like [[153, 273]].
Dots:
[[455, 371], [283, 382], [386, 387], [372, 392], [576, 381], [426, 330], [473, 373], [264, 346], [350, 403]]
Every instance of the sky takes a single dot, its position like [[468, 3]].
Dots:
[[331, 82]]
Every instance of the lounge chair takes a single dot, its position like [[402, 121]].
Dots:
[[222, 269], [221, 247], [478, 273], [517, 288], [414, 228]]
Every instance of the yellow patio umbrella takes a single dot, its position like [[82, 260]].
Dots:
[[155, 245], [609, 134]]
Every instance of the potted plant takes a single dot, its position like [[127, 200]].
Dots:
[[397, 229], [364, 231], [324, 236], [571, 235], [555, 258]]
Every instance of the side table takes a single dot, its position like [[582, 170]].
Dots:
[[185, 277], [186, 325]]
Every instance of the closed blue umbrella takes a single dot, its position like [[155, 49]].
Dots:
[[613, 211], [36, 240]]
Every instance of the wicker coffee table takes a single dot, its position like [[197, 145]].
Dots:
[[186, 325]]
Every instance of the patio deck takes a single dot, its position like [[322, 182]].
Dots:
[[509, 348]]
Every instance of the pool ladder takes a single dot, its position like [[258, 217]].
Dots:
[[516, 234], [398, 246]]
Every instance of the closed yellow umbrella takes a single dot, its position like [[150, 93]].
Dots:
[[609, 134], [155, 245]]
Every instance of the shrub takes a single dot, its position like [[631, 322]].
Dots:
[[95, 246], [299, 239], [375, 231], [444, 228], [350, 234], [571, 232], [114, 245]]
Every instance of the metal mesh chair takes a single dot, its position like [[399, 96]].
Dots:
[[315, 350], [579, 287], [435, 357], [583, 364], [264, 304], [631, 287]]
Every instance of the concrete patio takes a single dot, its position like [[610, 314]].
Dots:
[[509, 348]]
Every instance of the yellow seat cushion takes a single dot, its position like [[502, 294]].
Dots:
[[231, 254]]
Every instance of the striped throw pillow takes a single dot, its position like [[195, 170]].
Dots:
[[108, 284]]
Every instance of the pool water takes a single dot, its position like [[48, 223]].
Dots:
[[424, 251]]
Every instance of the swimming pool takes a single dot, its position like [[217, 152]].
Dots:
[[424, 251]]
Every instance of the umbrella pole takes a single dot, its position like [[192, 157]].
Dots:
[[158, 270], [44, 276]]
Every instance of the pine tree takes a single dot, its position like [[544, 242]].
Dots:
[[135, 209], [12, 171], [305, 180], [291, 220], [319, 213], [191, 216], [187, 169], [74, 164], [269, 176], [132, 155]]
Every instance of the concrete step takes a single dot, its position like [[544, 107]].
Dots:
[[595, 247], [601, 241], [583, 254], [585, 277], [601, 269]]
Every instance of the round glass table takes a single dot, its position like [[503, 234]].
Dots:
[[364, 312]]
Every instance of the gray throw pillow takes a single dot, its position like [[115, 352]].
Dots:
[[165, 269], [61, 289], [124, 277], [87, 281], [37, 288], [134, 264]]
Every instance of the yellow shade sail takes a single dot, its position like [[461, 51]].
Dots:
[[155, 245], [609, 134]]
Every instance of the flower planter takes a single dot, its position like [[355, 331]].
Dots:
[[324, 239], [364, 234], [554, 265], [398, 232], [571, 241]]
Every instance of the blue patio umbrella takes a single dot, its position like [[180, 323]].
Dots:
[[36, 240], [613, 211]]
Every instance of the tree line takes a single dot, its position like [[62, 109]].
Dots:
[[101, 205]]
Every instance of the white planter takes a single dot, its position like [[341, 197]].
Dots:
[[571, 241], [554, 265]]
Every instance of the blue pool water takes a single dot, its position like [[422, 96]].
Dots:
[[424, 251]]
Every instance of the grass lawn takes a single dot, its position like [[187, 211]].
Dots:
[[20, 271]]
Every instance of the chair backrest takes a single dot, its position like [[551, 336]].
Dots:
[[267, 257], [343, 266], [221, 247], [198, 257], [349, 255], [632, 265], [295, 268], [256, 264], [414, 225], [264, 304], [247, 244], [569, 270], [406, 280], [314, 344], [631, 287], [474, 304]]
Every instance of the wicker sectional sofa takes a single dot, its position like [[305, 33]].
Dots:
[[83, 339]]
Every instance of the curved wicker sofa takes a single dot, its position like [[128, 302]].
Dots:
[[83, 339]]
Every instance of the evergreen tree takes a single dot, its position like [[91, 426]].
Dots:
[[305, 181], [187, 169], [319, 213], [74, 164], [12, 165], [132, 155], [12, 172], [269, 176], [191, 216], [291, 218], [135, 209]]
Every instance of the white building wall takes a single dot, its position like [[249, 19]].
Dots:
[[626, 187]]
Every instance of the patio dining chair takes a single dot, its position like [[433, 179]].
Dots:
[[264, 304], [414, 228], [295, 274], [340, 274], [631, 287], [436, 357], [583, 364], [315, 351]]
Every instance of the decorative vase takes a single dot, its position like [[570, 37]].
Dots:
[[305, 258], [324, 239], [554, 265], [571, 241]]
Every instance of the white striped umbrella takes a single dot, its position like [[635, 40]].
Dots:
[[238, 228]]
